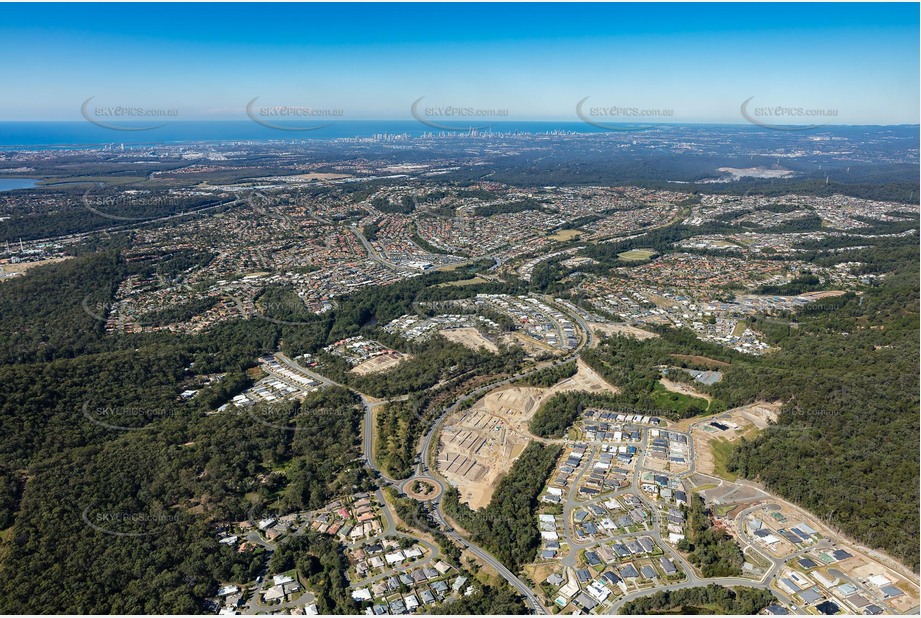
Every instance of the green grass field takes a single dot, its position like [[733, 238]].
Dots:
[[722, 450], [724, 509], [664, 398], [636, 255], [565, 235], [462, 282]]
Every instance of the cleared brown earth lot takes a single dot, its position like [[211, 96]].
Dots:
[[479, 445]]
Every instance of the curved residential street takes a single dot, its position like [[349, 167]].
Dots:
[[427, 471]]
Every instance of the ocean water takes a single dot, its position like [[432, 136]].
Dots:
[[84, 134]]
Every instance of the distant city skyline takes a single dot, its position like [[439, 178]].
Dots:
[[673, 63]]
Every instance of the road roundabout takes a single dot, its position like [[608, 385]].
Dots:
[[421, 489]]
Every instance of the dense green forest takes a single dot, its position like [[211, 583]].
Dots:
[[710, 549], [508, 207], [151, 485], [94, 432], [403, 206], [710, 599], [634, 367], [556, 414], [11, 486], [78, 210], [44, 314], [325, 447], [507, 526], [845, 446], [398, 429], [546, 276], [549, 376], [167, 486], [487, 601]]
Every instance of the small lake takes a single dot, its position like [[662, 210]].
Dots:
[[11, 184]]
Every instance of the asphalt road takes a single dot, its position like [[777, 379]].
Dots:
[[367, 450], [374, 255], [426, 470]]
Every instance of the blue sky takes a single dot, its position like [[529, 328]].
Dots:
[[536, 61]]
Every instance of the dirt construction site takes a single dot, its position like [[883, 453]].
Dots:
[[470, 337], [728, 426], [684, 389], [380, 363], [478, 445], [621, 329]]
